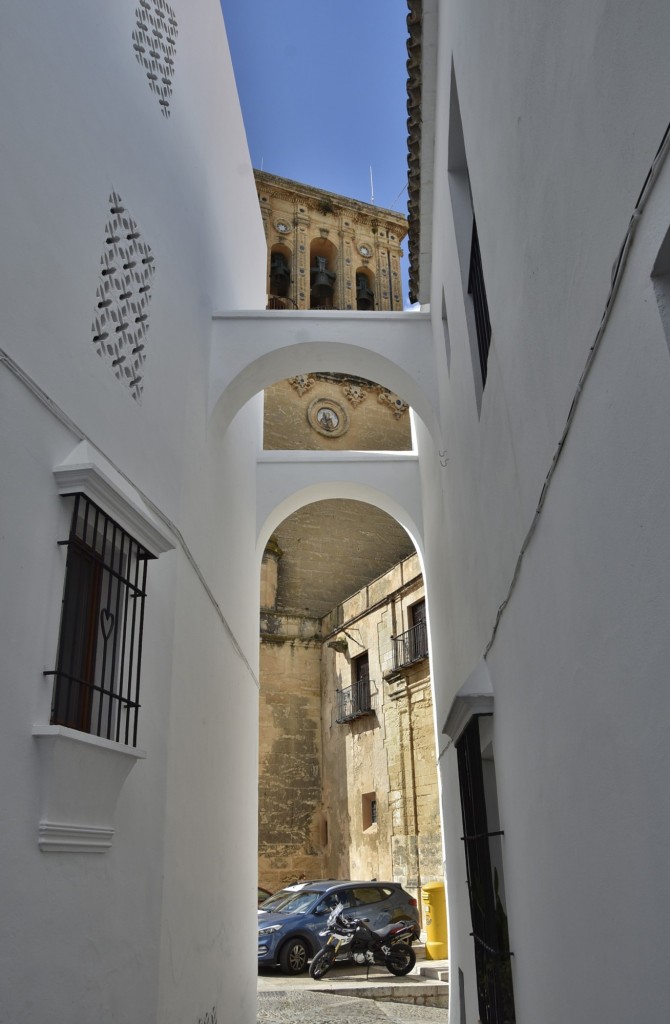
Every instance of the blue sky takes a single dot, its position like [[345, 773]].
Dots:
[[322, 88]]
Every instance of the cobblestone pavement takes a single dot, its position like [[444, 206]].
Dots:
[[330, 1008]]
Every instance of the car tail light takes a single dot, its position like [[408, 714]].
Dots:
[[412, 902]]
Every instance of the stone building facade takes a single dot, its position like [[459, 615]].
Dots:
[[326, 251], [348, 778]]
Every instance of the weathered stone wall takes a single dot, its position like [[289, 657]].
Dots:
[[290, 824], [369, 417], [390, 753], [319, 775]]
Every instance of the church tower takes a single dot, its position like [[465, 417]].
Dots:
[[329, 252]]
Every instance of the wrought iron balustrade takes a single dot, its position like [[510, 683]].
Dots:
[[354, 701], [410, 646]]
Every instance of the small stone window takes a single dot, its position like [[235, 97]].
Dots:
[[369, 809]]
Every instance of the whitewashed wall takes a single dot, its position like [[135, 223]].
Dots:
[[563, 109], [135, 933]]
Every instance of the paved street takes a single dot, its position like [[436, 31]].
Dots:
[[308, 1007], [349, 995]]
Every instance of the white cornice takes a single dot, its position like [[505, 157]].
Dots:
[[475, 697], [88, 472]]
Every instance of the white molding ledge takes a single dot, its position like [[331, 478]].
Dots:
[[55, 838], [87, 471], [475, 697], [82, 777]]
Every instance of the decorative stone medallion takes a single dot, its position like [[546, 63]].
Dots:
[[282, 227], [327, 417]]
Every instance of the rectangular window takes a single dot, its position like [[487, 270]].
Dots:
[[97, 676], [467, 243], [412, 645], [489, 919], [355, 701], [477, 289], [369, 810]]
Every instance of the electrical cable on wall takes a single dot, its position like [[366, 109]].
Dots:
[[617, 274]]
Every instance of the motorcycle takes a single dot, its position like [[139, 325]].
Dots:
[[350, 939]]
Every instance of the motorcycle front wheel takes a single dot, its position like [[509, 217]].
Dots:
[[321, 964], [400, 960]]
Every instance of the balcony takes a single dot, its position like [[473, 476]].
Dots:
[[354, 701], [410, 646]]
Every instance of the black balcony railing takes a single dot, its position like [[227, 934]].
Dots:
[[410, 646], [354, 701]]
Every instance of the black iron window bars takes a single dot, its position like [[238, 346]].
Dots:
[[477, 289], [97, 677], [354, 701], [489, 920], [410, 646]]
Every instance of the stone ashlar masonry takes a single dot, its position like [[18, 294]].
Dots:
[[315, 806], [302, 222], [372, 418]]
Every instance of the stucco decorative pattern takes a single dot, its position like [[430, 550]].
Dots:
[[155, 45], [121, 323]]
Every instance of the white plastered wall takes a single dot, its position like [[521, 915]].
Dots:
[[134, 933], [562, 116]]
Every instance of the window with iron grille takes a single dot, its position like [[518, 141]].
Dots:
[[489, 919], [467, 241], [97, 675], [412, 645], [477, 289], [369, 810], [356, 700]]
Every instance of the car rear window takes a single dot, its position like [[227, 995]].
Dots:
[[369, 894]]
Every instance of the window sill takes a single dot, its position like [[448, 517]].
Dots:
[[82, 777]]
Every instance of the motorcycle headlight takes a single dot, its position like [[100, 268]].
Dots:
[[270, 929]]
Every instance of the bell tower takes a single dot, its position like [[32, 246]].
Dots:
[[329, 252]]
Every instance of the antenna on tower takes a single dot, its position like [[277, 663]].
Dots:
[[372, 188]]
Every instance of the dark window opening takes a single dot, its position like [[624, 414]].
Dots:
[[280, 274], [365, 296], [477, 289], [412, 645], [355, 700], [489, 919], [97, 678], [369, 812]]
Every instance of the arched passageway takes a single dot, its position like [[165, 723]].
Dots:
[[346, 715]]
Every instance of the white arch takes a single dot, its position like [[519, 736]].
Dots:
[[340, 489], [252, 350]]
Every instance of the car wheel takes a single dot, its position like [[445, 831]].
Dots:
[[294, 956]]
